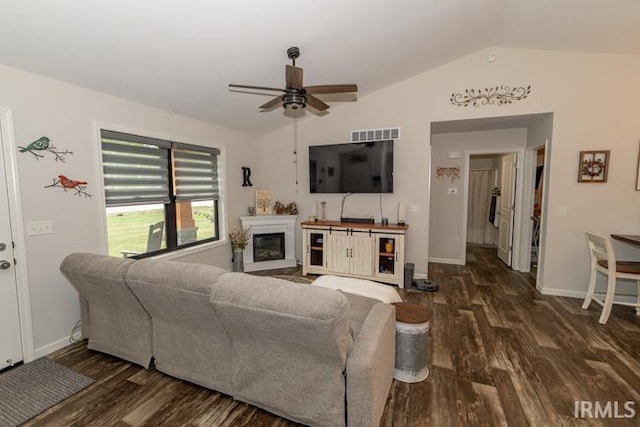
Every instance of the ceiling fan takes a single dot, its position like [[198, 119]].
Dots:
[[297, 96]]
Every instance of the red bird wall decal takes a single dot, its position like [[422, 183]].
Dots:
[[70, 184]]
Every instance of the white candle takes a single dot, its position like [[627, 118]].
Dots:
[[402, 212]]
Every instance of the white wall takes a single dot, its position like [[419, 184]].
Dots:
[[593, 98], [67, 115]]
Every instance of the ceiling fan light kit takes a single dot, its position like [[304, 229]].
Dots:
[[296, 96], [293, 101]]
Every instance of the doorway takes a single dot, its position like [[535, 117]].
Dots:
[[16, 343], [491, 202]]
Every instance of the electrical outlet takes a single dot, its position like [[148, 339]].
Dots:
[[36, 228], [453, 191], [415, 208]]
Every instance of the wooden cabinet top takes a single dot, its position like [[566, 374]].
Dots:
[[339, 224]]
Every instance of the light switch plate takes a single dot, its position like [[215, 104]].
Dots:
[[37, 228]]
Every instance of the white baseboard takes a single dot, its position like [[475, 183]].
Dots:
[[447, 261], [50, 348], [562, 292], [582, 294]]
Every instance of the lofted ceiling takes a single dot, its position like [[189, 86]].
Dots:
[[180, 56]]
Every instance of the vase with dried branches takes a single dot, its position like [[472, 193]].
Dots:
[[239, 237]]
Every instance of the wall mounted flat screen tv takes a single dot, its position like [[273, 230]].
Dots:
[[359, 167]]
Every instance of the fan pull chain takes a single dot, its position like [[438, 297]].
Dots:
[[295, 148]]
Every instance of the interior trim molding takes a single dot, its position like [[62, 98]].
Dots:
[[8, 147]]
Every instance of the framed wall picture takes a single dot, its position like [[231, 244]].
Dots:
[[594, 166], [264, 203]]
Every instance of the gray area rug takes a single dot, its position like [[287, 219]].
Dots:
[[29, 389]]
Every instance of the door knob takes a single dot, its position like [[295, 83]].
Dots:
[[4, 265]]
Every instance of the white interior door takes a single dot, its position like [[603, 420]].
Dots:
[[10, 341], [507, 206]]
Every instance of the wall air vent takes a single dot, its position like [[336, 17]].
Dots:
[[375, 134]]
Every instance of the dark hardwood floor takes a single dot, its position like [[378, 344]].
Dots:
[[500, 354]]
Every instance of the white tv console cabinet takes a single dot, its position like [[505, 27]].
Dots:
[[366, 251]]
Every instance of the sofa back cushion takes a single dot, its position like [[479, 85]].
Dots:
[[290, 345], [189, 341], [116, 322]]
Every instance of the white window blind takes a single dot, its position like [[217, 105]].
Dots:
[[136, 169], [196, 172]]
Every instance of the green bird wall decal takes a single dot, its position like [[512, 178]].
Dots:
[[44, 144]]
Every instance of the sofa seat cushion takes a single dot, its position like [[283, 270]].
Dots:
[[359, 308]]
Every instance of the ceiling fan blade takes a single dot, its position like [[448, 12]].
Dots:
[[315, 103], [275, 101], [250, 93], [314, 90], [257, 87], [294, 77]]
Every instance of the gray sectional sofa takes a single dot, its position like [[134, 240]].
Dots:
[[310, 354]]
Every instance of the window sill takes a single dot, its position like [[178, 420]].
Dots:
[[180, 253]]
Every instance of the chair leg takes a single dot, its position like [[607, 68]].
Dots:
[[608, 300], [591, 288]]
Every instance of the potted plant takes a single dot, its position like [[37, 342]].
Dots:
[[239, 238]]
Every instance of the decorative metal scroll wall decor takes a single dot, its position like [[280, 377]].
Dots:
[[44, 144], [499, 95]]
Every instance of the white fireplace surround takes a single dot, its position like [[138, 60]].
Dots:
[[267, 224]]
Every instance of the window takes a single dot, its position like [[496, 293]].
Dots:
[[160, 195]]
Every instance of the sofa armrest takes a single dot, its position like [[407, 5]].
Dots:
[[370, 367]]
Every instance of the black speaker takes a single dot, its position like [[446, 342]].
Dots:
[[409, 267]]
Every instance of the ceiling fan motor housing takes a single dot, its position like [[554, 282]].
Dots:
[[293, 53], [293, 100]]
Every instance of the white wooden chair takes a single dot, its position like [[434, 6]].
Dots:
[[602, 260]]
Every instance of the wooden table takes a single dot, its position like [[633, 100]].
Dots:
[[627, 238]]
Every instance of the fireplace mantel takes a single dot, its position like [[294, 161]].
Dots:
[[269, 224]]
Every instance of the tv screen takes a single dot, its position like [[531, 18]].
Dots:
[[359, 167]]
